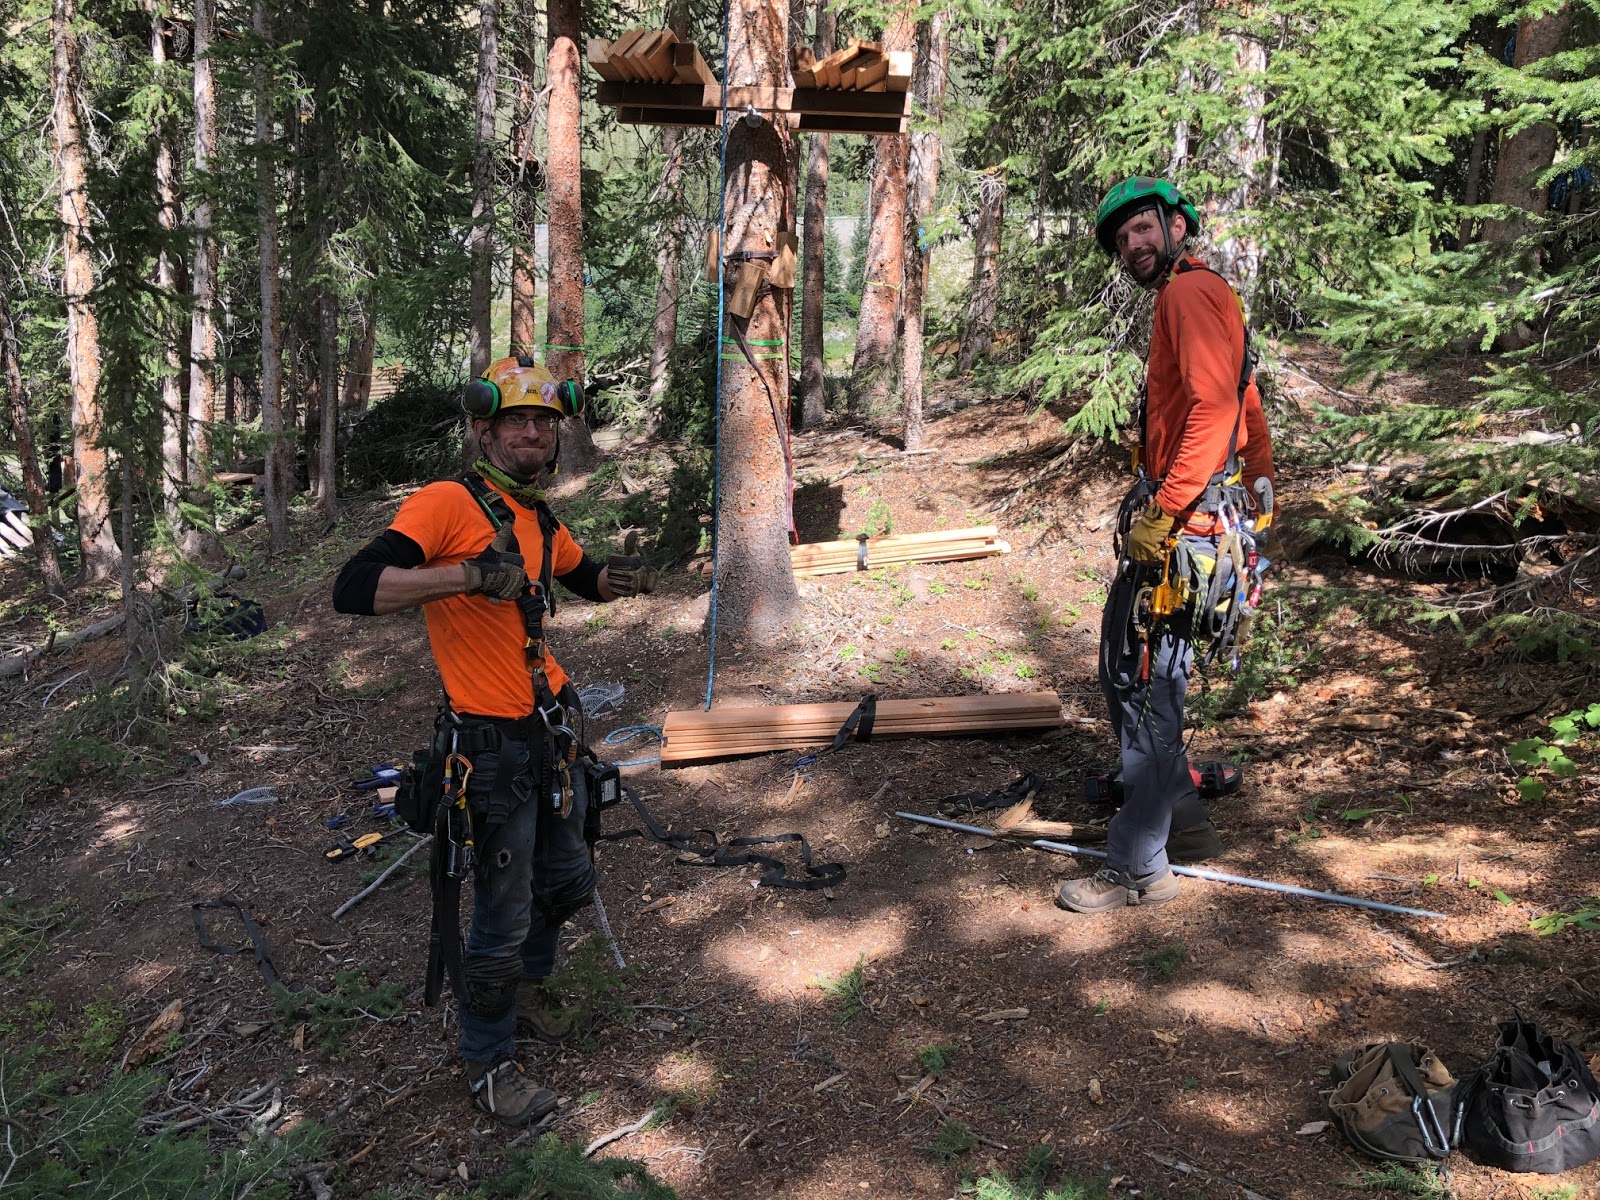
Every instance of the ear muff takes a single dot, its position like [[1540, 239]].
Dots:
[[481, 399], [569, 392]]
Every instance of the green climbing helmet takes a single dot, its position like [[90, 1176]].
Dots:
[[1134, 195]]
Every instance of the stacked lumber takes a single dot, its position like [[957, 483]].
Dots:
[[857, 66], [694, 735], [649, 56], [944, 545]]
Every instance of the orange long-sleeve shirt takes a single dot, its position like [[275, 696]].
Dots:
[[1196, 346]]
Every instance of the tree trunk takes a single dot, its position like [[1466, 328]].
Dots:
[[363, 346], [279, 471], [983, 298], [1238, 251], [174, 471], [327, 388], [203, 261], [529, 175], [933, 53], [44, 538], [564, 299], [872, 372], [95, 539], [1480, 144], [1525, 155], [664, 329], [756, 597], [813, 286], [480, 240]]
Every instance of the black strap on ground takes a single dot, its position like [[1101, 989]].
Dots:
[[702, 849], [258, 942], [1015, 792]]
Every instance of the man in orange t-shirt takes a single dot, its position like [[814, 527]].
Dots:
[[1205, 453], [479, 555]]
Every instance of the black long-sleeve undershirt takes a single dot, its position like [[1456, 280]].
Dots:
[[356, 589]]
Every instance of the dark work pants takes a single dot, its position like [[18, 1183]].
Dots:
[[525, 877], [1158, 793]]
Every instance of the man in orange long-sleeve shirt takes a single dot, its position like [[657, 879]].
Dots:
[[1204, 446]]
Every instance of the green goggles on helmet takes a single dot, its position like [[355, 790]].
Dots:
[[1136, 195]]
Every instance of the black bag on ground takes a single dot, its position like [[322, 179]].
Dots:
[[1533, 1106], [1394, 1101]]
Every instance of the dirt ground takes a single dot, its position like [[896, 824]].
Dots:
[[1199, 1033]]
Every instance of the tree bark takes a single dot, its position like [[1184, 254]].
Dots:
[[564, 355], [529, 176], [1480, 144], [872, 372], [928, 84], [96, 542], [44, 538], [279, 472], [480, 240], [813, 286], [174, 471], [1238, 251], [756, 597], [327, 383], [363, 346], [1525, 155], [203, 260]]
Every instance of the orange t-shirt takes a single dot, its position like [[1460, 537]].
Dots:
[[1196, 348], [477, 642]]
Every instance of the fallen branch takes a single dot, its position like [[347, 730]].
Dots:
[[1201, 1174], [616, 1135], [19, 664], [378, 882]]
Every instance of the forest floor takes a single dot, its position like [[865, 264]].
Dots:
[[931, 1020]]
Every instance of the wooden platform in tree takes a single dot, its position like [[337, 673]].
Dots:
[[695, 735], [651, 78]]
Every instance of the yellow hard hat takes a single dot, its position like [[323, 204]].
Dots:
[[520, 383]]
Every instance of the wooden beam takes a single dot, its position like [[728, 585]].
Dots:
[[659, 95], [686, 117], [618, 57], [599, 52], [689, 67], [899, 76], [871, 126], [847, 104]]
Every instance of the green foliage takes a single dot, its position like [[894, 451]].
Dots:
[[1163, 962], [952, 1141], [1542, 758], [554, 1170], [591, 984], [856, 278], [847, 992], [88, 1144], [1585, 916], [1404, 1179], [1031, 1181], [935, 1059], [330, 1017], [104, 1024], [26, 931], [410, 435]]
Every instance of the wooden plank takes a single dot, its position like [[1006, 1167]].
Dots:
[[659, 59], [868, 74], [689, 67], [871, 126], [618, 57], [686, 117], [862, 62], [803, 63], [848, 104], [899, 76], [599, 52], [658, 95], [637, 56]]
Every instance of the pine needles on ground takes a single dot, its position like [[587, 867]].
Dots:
[[554, 1170]]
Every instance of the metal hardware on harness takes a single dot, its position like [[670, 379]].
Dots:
[[561, 776]]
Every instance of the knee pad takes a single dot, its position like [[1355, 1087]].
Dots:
[[570, 898], [491, 986]]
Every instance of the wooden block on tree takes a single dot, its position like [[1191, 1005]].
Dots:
[[747, 281], [689, 67], [713, 254], [804, 64], [599, 54], [781, 273], [900, 64]]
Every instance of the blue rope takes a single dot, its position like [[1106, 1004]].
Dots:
[[722, 271], [626, 734]]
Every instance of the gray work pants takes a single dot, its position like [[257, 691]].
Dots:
[[1146, 707]]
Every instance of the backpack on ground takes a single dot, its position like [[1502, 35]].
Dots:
[[1394, 1101], [1533, 1106]]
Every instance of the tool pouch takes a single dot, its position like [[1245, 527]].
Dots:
[[421, 788], [1394, 1101], [604, 788], [1534, 1106]]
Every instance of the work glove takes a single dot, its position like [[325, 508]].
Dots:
[[496, 572], [1148, 538], [627, 573]]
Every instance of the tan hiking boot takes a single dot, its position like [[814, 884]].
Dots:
[[542, 1015], [1195, 844], [506, 1093], [1103, 892]]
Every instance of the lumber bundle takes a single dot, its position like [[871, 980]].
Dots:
[[649, 56], [694, 735], [944, 545], [857, 66]]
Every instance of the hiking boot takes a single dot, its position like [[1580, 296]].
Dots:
[[1104, 892], [1195, 844], [542, 1015], [506, 1093]]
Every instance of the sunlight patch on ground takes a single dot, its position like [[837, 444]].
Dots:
[[1351, 861], [788, 960], [119, 825], [687, 1073]]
